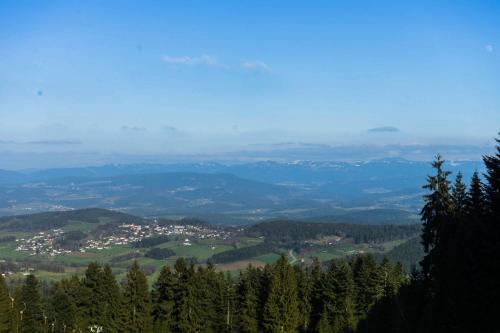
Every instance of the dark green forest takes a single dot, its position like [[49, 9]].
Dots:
[[279, 234], [455, 289]]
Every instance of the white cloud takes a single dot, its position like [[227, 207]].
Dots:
[[204, 60], [257, 66], [489, 48]]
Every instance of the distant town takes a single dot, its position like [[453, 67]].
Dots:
[[46, 243]]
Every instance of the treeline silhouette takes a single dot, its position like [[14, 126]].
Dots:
[[457, 288], [288, 234], [277, 298], [151, 242], [286, 231], [408, 254]]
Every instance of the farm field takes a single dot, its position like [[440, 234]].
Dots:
[[62, 249]]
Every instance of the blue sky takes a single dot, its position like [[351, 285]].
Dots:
[[200, 76]]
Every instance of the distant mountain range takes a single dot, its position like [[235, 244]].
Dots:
[[278, 152], [230, 193]]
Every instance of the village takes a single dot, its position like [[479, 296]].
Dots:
[[46, 243]]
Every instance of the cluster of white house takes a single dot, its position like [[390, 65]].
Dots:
[[44, 243]]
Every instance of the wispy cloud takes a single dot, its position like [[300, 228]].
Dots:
[[170, 129], [210, 61], [489, 48], [42, 142], [384, 129], [257, 66], [133, 128], [54, 142], [204, 60]]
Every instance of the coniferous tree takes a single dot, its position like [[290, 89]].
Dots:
[[440, 241], [137, 300], [230, 302], [64, 310], [92, 296], [186, 316], [393, 276], [368, 283], [316, 294], [281, 312], [264, 281], [163, 301], [459, 195], [247, 302], [338, 313], [304, 290], [461, 263], [475, 201], [386, 314], [112, 301], [211, 301], [31, 320], [435, 216], [78, 294], [6, 307], [484, 271], [18, 307], [492, 164]]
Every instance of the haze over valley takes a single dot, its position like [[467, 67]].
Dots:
[[231, 193]]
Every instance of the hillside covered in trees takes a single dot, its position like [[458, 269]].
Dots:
[[456, 290]]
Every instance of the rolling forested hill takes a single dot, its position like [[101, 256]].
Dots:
[[372, 191], [50, 220]]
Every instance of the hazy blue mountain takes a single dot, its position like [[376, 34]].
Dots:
[[371, 216], [10, 177], [147, 194], [228, 192], [278, 152]]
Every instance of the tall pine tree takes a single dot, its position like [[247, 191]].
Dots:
[[316, 293], [368, 283], [64, 310], [475, 201], [435, 215], [137, 300], [492, 164], [92, 295], [459, 195], [163, 301], [304, 290], [281, 311], [186, 309], [31, 320], [247, 302], [6, 307], [338, 313], [112, 301]]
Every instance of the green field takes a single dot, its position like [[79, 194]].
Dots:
[[322, 244], [201, 250], [268, 258]]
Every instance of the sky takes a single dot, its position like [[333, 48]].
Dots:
[[151, 77]]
